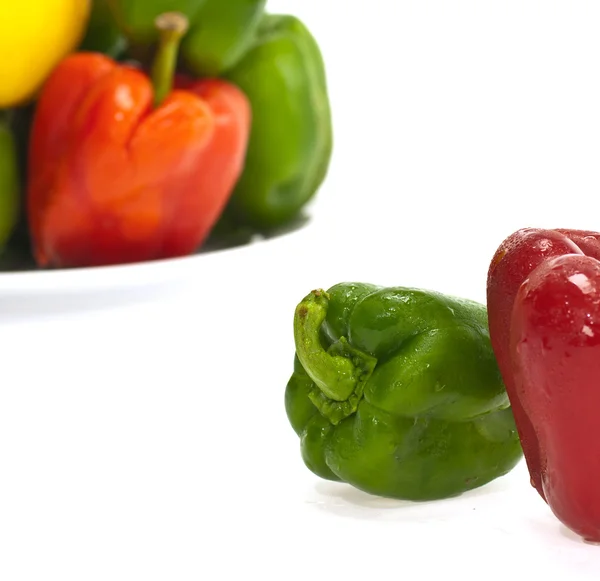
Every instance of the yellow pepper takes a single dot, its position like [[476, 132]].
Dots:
[[35, 35]]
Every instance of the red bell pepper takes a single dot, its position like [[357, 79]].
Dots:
[[543, 299], [124, 168]]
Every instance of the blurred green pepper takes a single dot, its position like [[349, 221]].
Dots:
[[220, 31], [291, 140], [135, 18], [9, 182], [102, 34]]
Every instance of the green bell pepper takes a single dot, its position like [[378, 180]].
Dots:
[[290, 146], [220, 30], [223, 33], [396, 391], [10, 183], [135, 18], [102, 34]]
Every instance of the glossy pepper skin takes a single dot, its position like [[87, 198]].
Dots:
[[116, 178], [544, 314], [220, 31], [396, 391], [291, 139]]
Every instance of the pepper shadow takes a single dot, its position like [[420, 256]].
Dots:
[[573, 537], [546, 526], [345, 500]]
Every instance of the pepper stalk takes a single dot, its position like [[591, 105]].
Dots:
[[340, 372], [172, 27]]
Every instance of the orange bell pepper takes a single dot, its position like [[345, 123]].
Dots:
[[126, 168]]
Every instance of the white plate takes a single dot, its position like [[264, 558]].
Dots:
[[139, 274], [31, 293]]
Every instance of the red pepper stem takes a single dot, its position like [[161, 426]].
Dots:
[[171, 27]]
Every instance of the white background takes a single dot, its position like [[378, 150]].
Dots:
[[142, 429]]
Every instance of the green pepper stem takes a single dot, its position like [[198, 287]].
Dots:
[[334, 375], [171, 27], [340, 372]]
